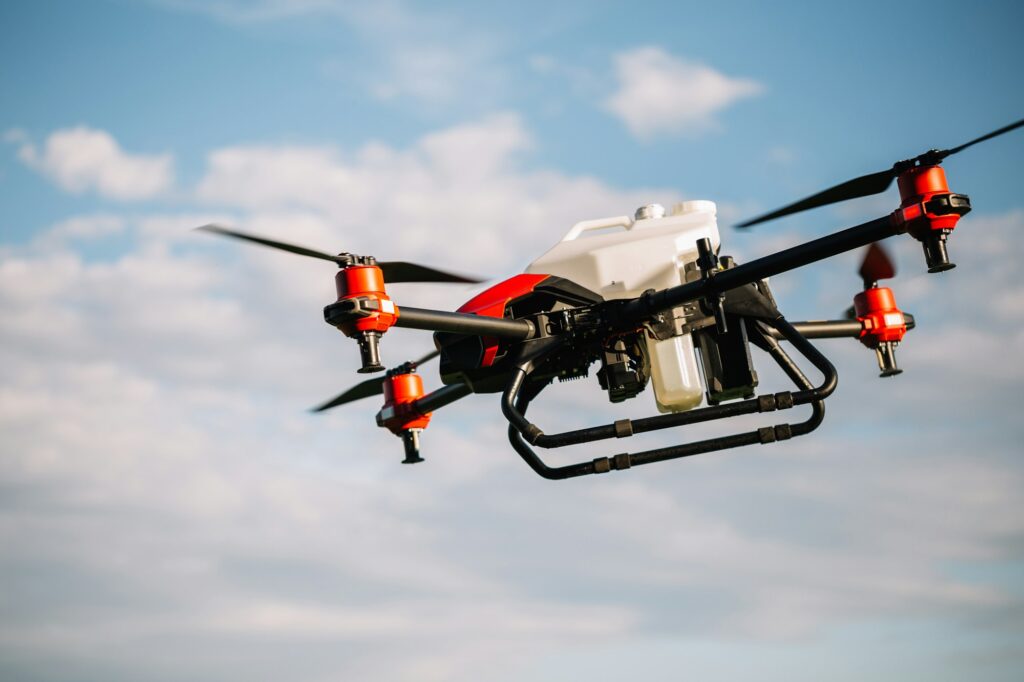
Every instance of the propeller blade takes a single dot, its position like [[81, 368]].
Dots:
[[426, 358], [365, 389], [864, 186], [874, 183], [877, 264], [987, 136], [400, 271], [368, 388], [394, 271], [291, 248]]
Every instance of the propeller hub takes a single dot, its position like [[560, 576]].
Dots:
[[347, 260]]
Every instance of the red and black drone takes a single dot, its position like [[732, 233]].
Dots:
[[650, 299]]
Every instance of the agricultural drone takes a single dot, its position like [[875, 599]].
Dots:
[[651, 300]]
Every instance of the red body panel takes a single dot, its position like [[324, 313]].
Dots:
[[880, 319], [493, 301]]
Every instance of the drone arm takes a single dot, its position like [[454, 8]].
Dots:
[[441, 321], [825, 329], [774, 264], [834, 329], [464, 323], [446, 395]]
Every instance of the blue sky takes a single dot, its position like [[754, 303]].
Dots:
[[169, 509], [846, 89]]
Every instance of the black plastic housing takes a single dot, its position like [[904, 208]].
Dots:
[[728, 367]]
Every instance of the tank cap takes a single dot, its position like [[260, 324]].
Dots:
[[695, 206], [650, 211]]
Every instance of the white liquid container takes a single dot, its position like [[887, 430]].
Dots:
[[621, 257]]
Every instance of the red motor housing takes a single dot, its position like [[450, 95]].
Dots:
[[882, 326], [364, 284], [369, 311], [930, 211], [919, 186], [401, 391], [399, 414], [880, 319]]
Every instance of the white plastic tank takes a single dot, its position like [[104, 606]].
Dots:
[[621, 257]]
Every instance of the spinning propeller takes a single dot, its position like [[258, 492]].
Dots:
[[394, 271], [876, 265], [874, 183], [372, 387], [366, 311]]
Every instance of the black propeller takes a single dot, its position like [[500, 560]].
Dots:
[[370, 387], [873, 183], [394, 271]]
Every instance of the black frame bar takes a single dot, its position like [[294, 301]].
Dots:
[[834, 329], [522, 433], [446, 395], [774, 264], [464, 323]]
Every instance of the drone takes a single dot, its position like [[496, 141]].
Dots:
[[651, 300]]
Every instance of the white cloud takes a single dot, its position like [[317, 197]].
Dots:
[[85, 228], [186, 519], [436, 58], [458, 197], [84, 159], [659, 93]]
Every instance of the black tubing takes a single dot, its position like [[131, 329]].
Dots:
[[514, 405], [535, 436], [800, 379]]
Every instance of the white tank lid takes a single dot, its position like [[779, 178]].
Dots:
[[649, 211], [694, 206]]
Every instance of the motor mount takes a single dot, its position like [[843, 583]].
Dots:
[[930, 210], [366, 310], [402, 388], [883, 326]]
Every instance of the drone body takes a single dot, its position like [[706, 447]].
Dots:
[[608, 259], [650, 300]]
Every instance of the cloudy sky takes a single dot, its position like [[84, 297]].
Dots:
[[168, 508]]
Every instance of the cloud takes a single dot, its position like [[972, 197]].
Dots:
[[659, 93], [84, 228], [83, 159], [437, 58], [461, 196], [170, 510]]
